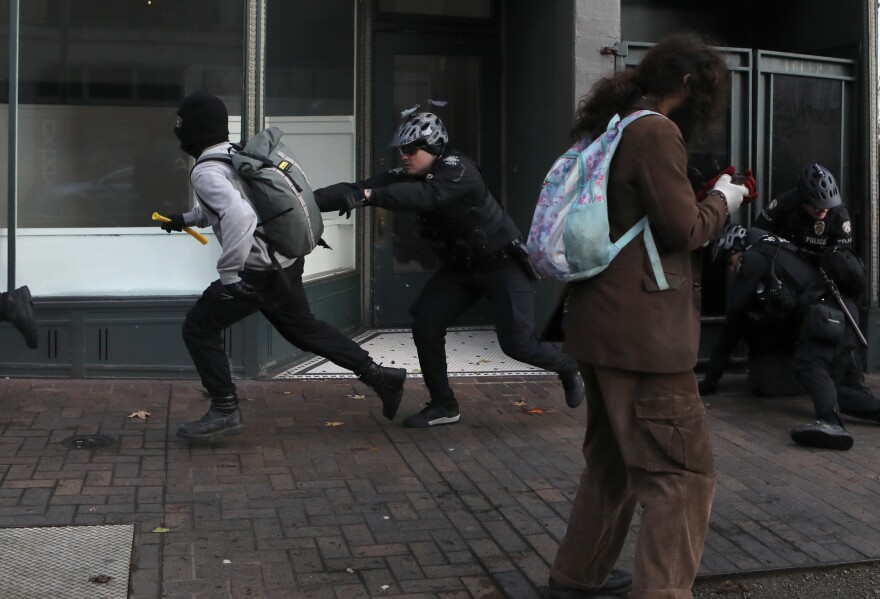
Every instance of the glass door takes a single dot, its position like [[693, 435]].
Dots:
[[411, 69]]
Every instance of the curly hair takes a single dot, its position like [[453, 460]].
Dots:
[[659, 74]]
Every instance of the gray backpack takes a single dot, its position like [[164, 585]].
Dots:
[[280, 194]]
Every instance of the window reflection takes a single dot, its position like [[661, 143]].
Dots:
[[99, 84]]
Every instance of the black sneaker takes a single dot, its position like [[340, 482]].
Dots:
[[573, 385], [619, 583], [822, 434], [20, 312], [432, 415], [212, 424], [388, 385]]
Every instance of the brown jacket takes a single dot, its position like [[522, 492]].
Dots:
[[618, 318]]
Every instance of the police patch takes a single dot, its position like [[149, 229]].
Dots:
[[451, 160], [847, 227], [771, 205], [819, 227]]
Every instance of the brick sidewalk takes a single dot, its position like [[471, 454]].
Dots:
[[368, 508]]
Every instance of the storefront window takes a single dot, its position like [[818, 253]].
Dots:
[[310, 83], [99, 82]]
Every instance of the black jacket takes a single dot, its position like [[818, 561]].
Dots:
[[786, 217], [455, 211]]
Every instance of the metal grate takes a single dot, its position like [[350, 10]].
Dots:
[[74, 562], [88, 442]]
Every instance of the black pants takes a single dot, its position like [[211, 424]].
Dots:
[[450, 292], [831, 375], [285, 306]]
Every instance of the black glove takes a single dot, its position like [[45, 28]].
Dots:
[[345, 203], [175, 224], [352, 200], [244, 291]]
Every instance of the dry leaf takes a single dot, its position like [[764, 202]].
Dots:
[[356, 396], [349, 570], [519, 403], [286, 392], [161, 530], [536, 411], [333, 424], [142, 414]]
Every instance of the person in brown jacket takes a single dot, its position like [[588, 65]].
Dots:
[[646, 440]]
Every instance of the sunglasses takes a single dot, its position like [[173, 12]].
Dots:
[[408, 150]]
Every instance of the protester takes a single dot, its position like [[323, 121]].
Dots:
[[482, 256], [646, 440], [248, 282]]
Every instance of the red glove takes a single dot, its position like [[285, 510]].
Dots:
[[701, 195], [751, 184]]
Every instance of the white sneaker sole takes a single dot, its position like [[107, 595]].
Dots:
[[450, 420]]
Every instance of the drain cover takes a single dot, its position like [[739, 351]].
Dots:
[[88, 442]]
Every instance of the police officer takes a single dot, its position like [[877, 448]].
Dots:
[[481, 252], [812, 215], [793, 288]]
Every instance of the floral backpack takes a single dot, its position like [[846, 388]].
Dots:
[[570, 238]]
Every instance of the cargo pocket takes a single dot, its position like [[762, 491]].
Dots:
[[676, 434]]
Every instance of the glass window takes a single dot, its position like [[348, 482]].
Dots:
[[807, 117], [99, 83], [310, 58], [474, 9]]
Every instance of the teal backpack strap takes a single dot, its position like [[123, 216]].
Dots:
[[654, 255]]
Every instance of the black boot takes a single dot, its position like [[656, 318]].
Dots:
[[18, 308], [388, 384], [223, 418], [573, 385]]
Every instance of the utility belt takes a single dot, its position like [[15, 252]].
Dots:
[[514, 250]]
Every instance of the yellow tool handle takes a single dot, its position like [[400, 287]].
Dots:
[[201, 238]]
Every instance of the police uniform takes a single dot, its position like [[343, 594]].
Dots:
[[821, 366], [786, 217], [477, 242]]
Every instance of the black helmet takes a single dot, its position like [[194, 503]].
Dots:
[[423, 129], [732, 240], [818, 187]]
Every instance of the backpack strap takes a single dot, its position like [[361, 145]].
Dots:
[[642, 225]]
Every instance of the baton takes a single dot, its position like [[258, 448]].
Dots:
[[849, 317], [201, 238]]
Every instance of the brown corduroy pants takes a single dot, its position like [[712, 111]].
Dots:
[[646, 444]]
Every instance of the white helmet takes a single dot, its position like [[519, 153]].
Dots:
[[732, 240], [422, 128]]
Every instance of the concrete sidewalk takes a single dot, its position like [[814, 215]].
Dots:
[[322, 497]]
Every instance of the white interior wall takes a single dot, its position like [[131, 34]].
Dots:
[[137, 261]]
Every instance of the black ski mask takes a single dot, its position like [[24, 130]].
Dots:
[[202, 121]]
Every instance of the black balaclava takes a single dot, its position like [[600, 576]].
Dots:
[[202, 121]]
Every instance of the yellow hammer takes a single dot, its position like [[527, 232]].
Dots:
[[201, 238]]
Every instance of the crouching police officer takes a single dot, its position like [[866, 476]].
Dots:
[[811, 215], [481, 252], [793, 288]]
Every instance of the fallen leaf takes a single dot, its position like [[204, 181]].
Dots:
[[536, 411], [349, 570], [333, 424], [482, 361], [100, 579], [142, 414], [286, 392], [519, 403], [226, 561], [161, 529], [384, 587], [356, 396]]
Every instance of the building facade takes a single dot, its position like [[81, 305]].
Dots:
[[90, 89]]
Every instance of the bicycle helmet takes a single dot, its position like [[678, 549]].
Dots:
[[732, 240], [422, 129], [818, 187]]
